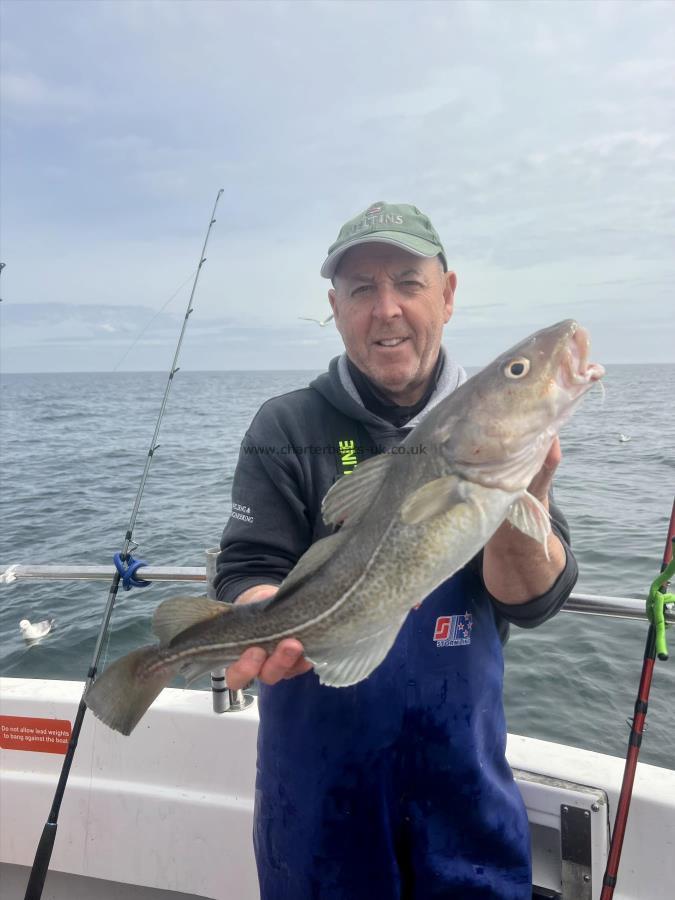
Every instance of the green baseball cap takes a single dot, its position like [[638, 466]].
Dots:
[[399, 224]]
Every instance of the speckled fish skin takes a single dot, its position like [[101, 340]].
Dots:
[[410, 519]]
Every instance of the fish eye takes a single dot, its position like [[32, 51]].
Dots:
[[517, 368]]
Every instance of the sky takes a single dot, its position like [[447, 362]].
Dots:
[[538, 137]]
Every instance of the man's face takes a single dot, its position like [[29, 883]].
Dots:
[[390, 307]]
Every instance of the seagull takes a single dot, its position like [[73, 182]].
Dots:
[[35, 632], [624, 438], [318, 321]]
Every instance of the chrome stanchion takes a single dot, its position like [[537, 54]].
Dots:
[[224, 700]]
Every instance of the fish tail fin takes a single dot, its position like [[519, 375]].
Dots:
[[125, 690]]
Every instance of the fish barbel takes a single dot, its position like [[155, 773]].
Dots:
[[409, 520]]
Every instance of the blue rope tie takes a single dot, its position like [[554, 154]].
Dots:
[[127, 569]]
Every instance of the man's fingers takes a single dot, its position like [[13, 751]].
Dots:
[[553, 456], [540, 484], [245, 669], [283, 662], [302, 665]]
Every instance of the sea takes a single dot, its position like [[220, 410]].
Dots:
[[73, 447]]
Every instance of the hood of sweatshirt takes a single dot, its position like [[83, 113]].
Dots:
[[337, 387]]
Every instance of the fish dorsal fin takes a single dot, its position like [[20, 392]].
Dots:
[[530, 516], [178, 613], [435, 497], [309, 563], [353, 494], [343, 666]]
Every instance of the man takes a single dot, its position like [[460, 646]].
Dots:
[[398, 786]]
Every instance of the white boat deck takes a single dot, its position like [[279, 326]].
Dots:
[[167, 812]]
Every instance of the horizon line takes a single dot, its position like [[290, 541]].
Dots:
[[225, 371]]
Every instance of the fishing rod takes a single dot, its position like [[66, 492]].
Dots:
[[655, 646], [45, 847]]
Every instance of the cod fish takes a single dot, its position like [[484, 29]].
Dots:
[[409, 520]]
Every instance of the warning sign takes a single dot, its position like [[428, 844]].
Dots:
[[41, 735]]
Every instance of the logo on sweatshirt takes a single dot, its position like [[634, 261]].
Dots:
[[347, 456], [243, 513], [453, 631]]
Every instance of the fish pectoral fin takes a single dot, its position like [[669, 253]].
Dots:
[[530, 516], [178, 613], [435, 497], [353, 494], [344, 666]]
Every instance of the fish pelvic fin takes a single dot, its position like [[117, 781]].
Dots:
[[123, 693], [530, 516], [178, 613]]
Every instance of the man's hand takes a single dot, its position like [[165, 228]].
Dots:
[[285, 662], [542, 481], [515, 568]]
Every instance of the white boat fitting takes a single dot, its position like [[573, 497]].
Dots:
[[166, 814]]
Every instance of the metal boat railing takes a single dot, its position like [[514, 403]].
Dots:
[[226, 700], [588, 604], [10, 574]]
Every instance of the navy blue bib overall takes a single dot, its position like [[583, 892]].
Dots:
[[397, 787]]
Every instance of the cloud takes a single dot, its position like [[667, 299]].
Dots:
[[658, 73], [26, 91], [76, 337], [539, 137]]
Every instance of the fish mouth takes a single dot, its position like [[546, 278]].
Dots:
[[575, 370], [570, 376]]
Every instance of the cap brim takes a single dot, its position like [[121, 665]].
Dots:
[[415, 245]]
